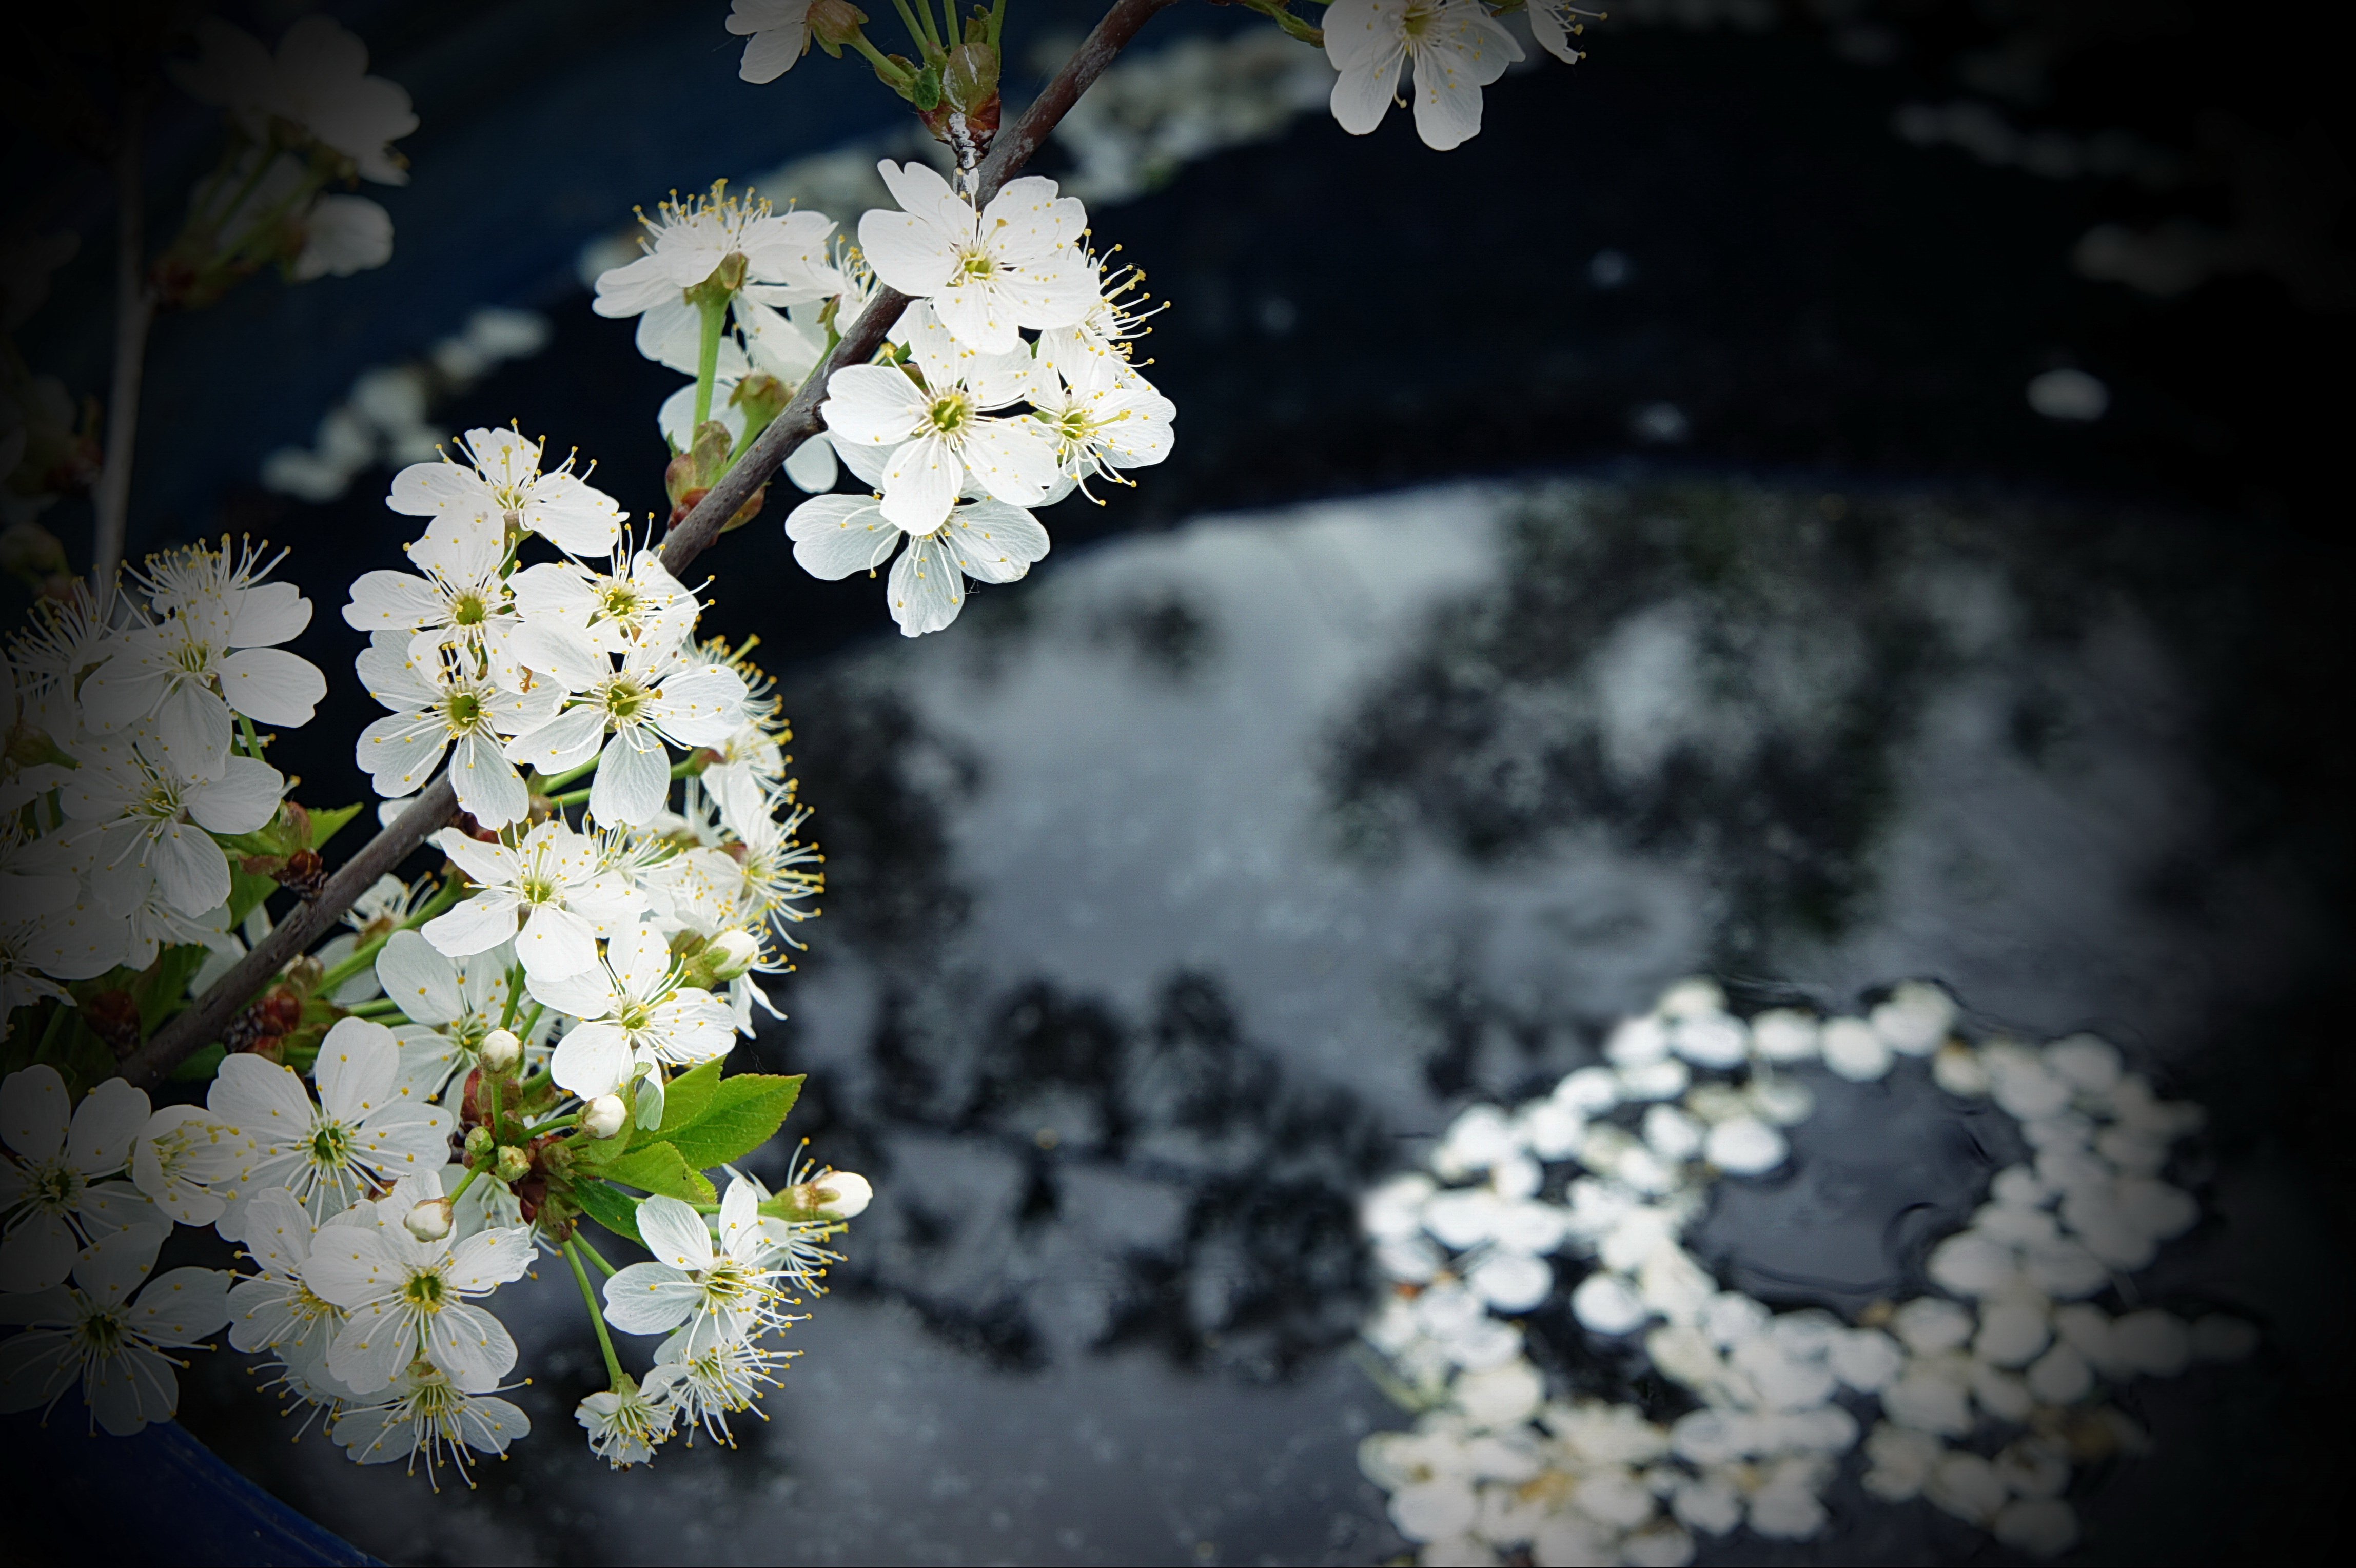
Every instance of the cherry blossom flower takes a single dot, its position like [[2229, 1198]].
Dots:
[[777, 34], [714, 1294], [709, 1381], [82, 943], [987, 541], [318, 80], [1554, 24], [441, 706], [638, 604], [634, 1015], [659, 694], [177, 1157], [625, 1425], [214, 652], [1113, 322], [986, 273], [456, 600], [409, 1299], [343, 235], [458, 1001], [501, 481], [690, 241], [427, 1412], [52, 1182], [146, 823], [366, 1130], [548, 894], [1455, 47], [942, 427], [1100, 422], [95, 1334], [277, 1310]]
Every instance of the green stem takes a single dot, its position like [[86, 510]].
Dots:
[[891, 75], [375, 1008], [596, 1313], [515, 997], [1274, 10], [531, 1021], [537, 1128], [570, 797], [608, 1270], [252, 741], [707, 358], [952, 36], [464, 1182], [996, 20], [365, 955], [560, 780], [921, 31]]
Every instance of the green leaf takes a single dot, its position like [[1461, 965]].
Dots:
[[616, 1210], [246, 891], [685, 1096], [744, 1113], [200, 1066], [656, 1167], [328, 822], [165, 985]]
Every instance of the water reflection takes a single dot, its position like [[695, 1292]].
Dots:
[[1187, 885]]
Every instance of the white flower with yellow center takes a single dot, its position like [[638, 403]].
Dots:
[[730, 242], [625, 1425], [501, 482], [634, 1015], [713, 1293], [941, 427], [1102, 421], [459, 602], [409, 1299], [275, 1310], [636, 604], [146, 823], [1455, 47], [715, 1380], [427, 1413], [178, 1157], [93, 1333], [660, 694], [444, 706], [214, 650], [549, 893], [987, 274], [53, 1185], [366, 1130], [452, 1006], [1554, 24]]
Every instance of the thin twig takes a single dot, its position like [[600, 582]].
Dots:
[[134, 311], [203, 1019]]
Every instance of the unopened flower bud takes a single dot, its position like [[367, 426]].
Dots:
[[841, 1195], [733, 952], [604, 1116], [834, 23], [479, 1146], [512, 1165], [430, 1220], [502, 1053]]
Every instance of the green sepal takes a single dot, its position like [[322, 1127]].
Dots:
[[591, 1156], [327, 823], [615, 1210], [657, 1167]]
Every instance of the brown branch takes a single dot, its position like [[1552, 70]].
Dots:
[[203, 1019], [134, 311]]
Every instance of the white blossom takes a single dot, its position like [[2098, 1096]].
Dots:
[[443, 707], [987, 274], [277, 1310], [1554, 24], [318, 80], [625, 1425], [659, 694], [714, 1294], [1100, 420], [638, 604], [426, 1412], [709, 1379], [635, 1015], [409, 1299], [501, 482], [94, 1333], [942, 430], [145, 822], [548, 893], [52, 1180], [453, 1004], [366, 1130], [688, 242], [777, 34], [1455, 48], [177, 1157], [343, 235]]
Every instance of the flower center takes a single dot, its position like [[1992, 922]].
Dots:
[[627, 699], [57, 1186], [621, 602], [469, 610], [634, 1017], [193, 657], [465, 710], [537, 888], [161, 803], [101, 1334], [950, 413], [424, 1291], [977, 265], [331, 1143]]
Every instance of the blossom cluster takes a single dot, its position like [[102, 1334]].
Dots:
[[963, 426], [407, 1117], [1450, 51], [1986, 1393]]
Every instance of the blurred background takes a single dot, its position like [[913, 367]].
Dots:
[[1824, 491]]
